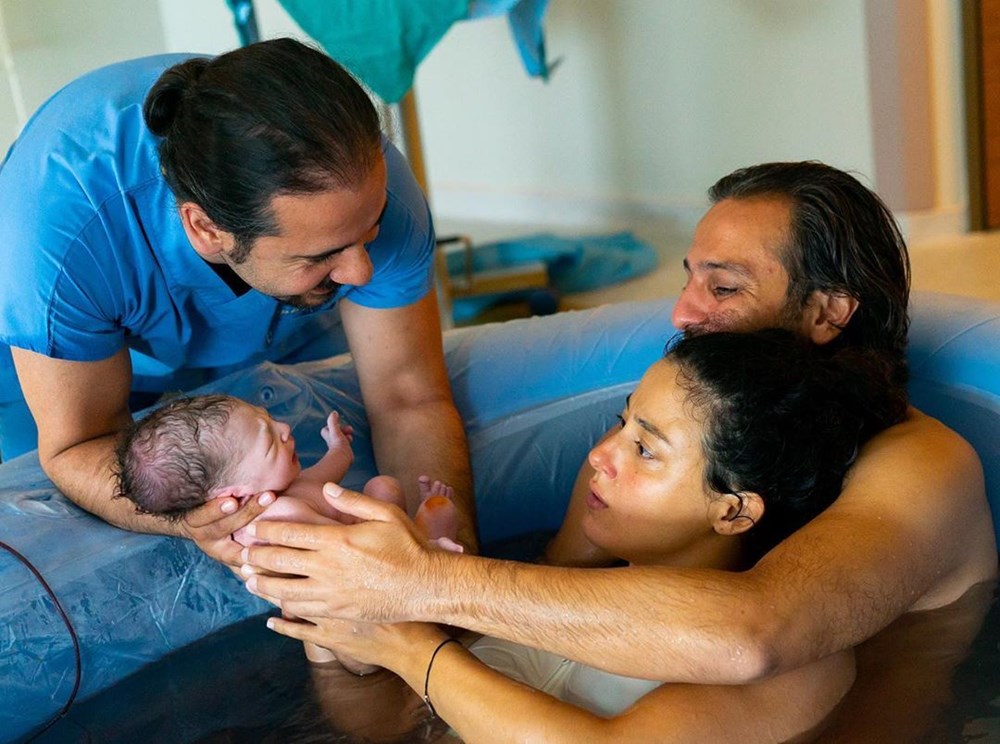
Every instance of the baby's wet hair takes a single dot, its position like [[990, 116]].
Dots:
[[167, 462]]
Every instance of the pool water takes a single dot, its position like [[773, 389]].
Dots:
[[930, 677], [242, 685]]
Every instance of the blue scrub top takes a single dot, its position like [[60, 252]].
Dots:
[[94, 256]]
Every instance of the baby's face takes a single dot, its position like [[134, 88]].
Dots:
[[265, 450]]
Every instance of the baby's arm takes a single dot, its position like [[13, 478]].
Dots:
[[332, 467], [335, 462]]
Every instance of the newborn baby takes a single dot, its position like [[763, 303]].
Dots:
[[197, 448]]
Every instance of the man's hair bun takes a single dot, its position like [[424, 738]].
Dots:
[[165, 98]]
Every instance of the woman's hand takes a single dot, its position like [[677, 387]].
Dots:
[[389, 645]]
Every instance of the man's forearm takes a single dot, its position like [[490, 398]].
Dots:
[[810, 597], [83, 473], [427, 440], [669, 625]]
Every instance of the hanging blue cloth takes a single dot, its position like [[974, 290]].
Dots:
[[383, 41], [245, 20], [525, 19]]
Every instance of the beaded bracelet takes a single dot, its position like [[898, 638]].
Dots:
[[427, 677]]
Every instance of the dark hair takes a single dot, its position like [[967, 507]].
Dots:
[[843, 240], [162, 463], [275, 117], [784, 418]]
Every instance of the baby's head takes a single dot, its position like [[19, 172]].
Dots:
[[747, 434], [196, 448]]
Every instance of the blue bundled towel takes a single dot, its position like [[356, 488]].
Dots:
[[574, 264]]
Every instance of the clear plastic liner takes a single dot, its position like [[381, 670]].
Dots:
[[534, 395]]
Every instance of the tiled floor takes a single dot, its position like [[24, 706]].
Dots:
[[966, 265]]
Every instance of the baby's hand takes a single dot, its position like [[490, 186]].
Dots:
[[336, 434]]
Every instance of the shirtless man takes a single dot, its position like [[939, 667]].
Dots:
[[796, 245]]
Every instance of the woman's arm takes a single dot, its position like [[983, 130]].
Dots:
[[482, 705], [479, 703]]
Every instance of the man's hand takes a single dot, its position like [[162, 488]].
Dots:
[[212, 524], [375, 570]]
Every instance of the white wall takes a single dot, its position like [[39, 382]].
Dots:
[[653, 100], [54, 41], [13, 112]]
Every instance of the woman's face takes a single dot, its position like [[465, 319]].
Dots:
[[648, 502]]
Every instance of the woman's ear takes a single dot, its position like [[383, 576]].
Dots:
[[735, 514], [826, 314]]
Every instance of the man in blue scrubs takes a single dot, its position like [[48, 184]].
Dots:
[[171, 219]]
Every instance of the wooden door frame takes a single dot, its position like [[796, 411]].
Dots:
[[972, 74]]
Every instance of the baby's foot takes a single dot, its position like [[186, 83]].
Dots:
[[427, 488], [446, 543], [319, 655], [437, 515]]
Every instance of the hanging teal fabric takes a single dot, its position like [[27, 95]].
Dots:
[[525, 20], [380, 41], [383, 41], [245, 20]]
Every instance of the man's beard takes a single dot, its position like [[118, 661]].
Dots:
[[789, 318], [308, 301], [715, 324]]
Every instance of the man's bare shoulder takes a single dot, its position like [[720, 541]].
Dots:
[[919, 451], [923, 484]]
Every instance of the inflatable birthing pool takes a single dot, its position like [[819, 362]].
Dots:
[[535, 395]]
